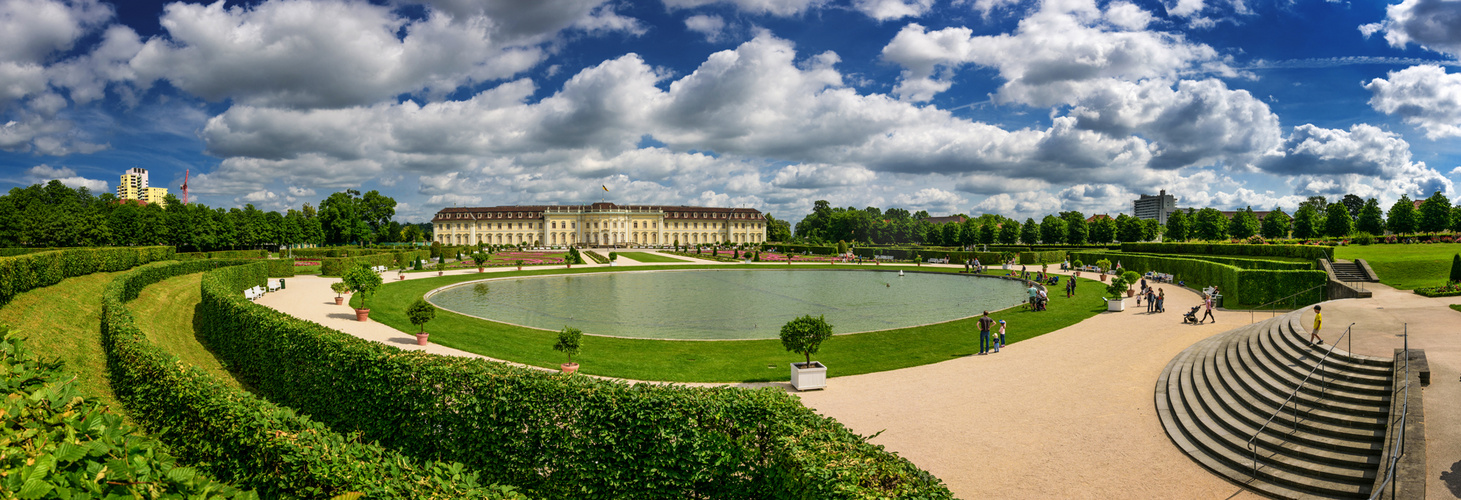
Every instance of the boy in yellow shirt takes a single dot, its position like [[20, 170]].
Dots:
[[1318, 321]]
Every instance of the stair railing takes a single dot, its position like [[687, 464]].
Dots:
[[1253, 442], [1397, 449], [1274, 312]]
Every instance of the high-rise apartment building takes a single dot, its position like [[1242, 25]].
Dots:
[[1154, 207], [134, 187]]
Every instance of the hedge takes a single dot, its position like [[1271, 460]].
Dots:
[[241, 438], [1300, 251], [13, 251], [396, 260], [55, 441], [1246, 262], [321, 252], [1054, 257], [555, 436], [955, 257], [812, 249], [279, 268], [225, 254], [29, 271], [1240, 287]]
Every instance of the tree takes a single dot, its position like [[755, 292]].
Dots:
[[1455, 269], [568, 343], [805, 335], [953, 233], [1211, 225], [421, 312], [1337, 223], [987, 233], [1129, 228], [1102, 229], [1052, 230], [1353, 204], [777, 230], [1075, 227], [1244, 224], [1435, 214], [1456, 217], [1318, 203], [1370, 220], [1150, 228], [363, 281], [1306, 222], [1177, 226], [1030, 231], [1009, 232], [1401, 217], [1275, 225]]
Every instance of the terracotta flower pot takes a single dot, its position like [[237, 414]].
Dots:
[[339, 301], [400, 276], [568, 368], [1103, 277], [481, 270], [441, 273], [421, 338], [362, 314], [1130, 293], [519, 268]]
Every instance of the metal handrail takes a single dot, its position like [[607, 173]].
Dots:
[[1252, 446], [1275, 311], [1399, 436]]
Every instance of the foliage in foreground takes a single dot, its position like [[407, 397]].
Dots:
[[555, 436], [58, 443], [244, 439]]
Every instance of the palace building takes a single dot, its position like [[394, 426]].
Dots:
[[598, 224]]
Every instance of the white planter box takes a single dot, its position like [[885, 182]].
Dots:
[[805, 379], [1116, 305]]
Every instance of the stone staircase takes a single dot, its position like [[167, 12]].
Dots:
[[1350, 272], [1216, 395]]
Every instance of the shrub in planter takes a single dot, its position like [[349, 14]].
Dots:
[[363, 282], [569, 340], [480, 259], [420, 312], [339, 287], [1121, 284], [805, 335], [440, 268]]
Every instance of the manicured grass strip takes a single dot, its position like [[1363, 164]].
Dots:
[[725, 361], [649, 257], [164, 312], [63, 321], [1402, 266], [1456, 307]]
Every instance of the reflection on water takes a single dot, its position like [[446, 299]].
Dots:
[[730, 304]]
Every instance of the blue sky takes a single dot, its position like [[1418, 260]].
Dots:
[[950, 106]]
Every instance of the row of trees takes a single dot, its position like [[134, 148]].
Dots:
[[1314, 218], [55, 215]]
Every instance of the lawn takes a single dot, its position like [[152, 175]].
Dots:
[[63, 321], [648, 257], [1456, 307], [165, 311], [723, 361], [1403, 266]]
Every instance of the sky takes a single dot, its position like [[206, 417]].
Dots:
[[951, 106]]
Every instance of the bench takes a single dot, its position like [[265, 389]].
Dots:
[[274, 285]]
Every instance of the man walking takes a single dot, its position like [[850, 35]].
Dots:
[[985, 324]]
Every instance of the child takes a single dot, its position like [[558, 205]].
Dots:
[[1000, 343], [1313, 334]]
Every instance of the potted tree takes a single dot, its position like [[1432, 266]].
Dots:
[[1105, 266], [613, 258], [339, 287], [1078, 266], [481, 260], [519, 264], [440, 268], [364, 282], [1120, 284], [419, 313], [804, 336], [568, 342]]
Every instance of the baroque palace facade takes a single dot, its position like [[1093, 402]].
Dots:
[[598, 224]]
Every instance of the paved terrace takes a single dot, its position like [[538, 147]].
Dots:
[[1069, 414]]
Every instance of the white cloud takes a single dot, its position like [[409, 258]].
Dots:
[[769, 7], [1424, 96], [41, 174], [454, 200], [934, 200], [1364, 160], [713, 27], [892, 10], [816, 176], [1432, 24]]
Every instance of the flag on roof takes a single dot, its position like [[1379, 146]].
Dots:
[[606, 188]]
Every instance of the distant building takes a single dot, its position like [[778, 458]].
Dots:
[[947, 219], [598, 224], [1097, 217], [134, 186], [1260, 214], [1154, 207]]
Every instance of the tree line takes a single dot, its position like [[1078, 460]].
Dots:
[[1316, 217], [56, 215]]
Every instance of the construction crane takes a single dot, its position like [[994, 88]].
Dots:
[[185, 185]]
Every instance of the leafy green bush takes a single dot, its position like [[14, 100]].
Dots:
[[420, 312], [363, 282], [596, 257], [1121, 283], [1448, 290], [34, 270], [569, 340], [280, 268], [1363, 238], [1299, 251], [55, 441], [1241, 287], [556, 437], [242, 438], [805, 335]]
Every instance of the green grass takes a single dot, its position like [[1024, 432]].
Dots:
[[723, 361], [63, 321], [649, 257], [1406, 267], [306, 270], [165, 311]]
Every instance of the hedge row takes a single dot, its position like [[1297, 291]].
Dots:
[[279, 268], [395, 260], [13, 251], [241, 438], [1240, 287], [224, 254], [812, 249], [25, 272], [1299, 251], [555, 436], [1054, 257], [955, 257], [1245, 262], [55, 441], [320, 252]]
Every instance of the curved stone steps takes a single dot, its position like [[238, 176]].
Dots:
[[1216, 395]]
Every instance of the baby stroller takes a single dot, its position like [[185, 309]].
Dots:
[[1191, 316]]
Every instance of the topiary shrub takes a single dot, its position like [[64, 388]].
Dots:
[[569, 340], [1455, 269], [805, 335], [420, 312]]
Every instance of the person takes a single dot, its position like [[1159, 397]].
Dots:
[[977, 266], [1001, 335], [1151, 300], [1070, 287], [1065, 265], [1024, 275], [1042, 300], [1318, 322], [1207, 309], [985, 323], [1161, 300], [1034, 293]]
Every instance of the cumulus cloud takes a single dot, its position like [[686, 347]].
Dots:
[[713, 27], [768, 7], [1432, 24], [1364, 160], [892, 10], [41, 174], [934, 200], [813, 176], [1424, 96]]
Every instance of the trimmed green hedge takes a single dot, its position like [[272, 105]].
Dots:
[[1052, 257], [224, 254], [242, 438], [26, 272], [322, 252], [13, 251], [1240, 287], [955, 257], [1299, 251], [396, 260], [279, 268], [55, 441], [1245, 262], [553, 435], [812, 249]]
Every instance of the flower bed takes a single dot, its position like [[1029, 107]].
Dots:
[[1448, 290], [299, 263], [776, 257]]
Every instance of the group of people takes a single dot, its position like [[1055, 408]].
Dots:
[[1156, 298], [1038, 296], [973, 266]]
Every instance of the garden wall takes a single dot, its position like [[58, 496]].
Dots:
[[556, 436], [1240, 287]]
